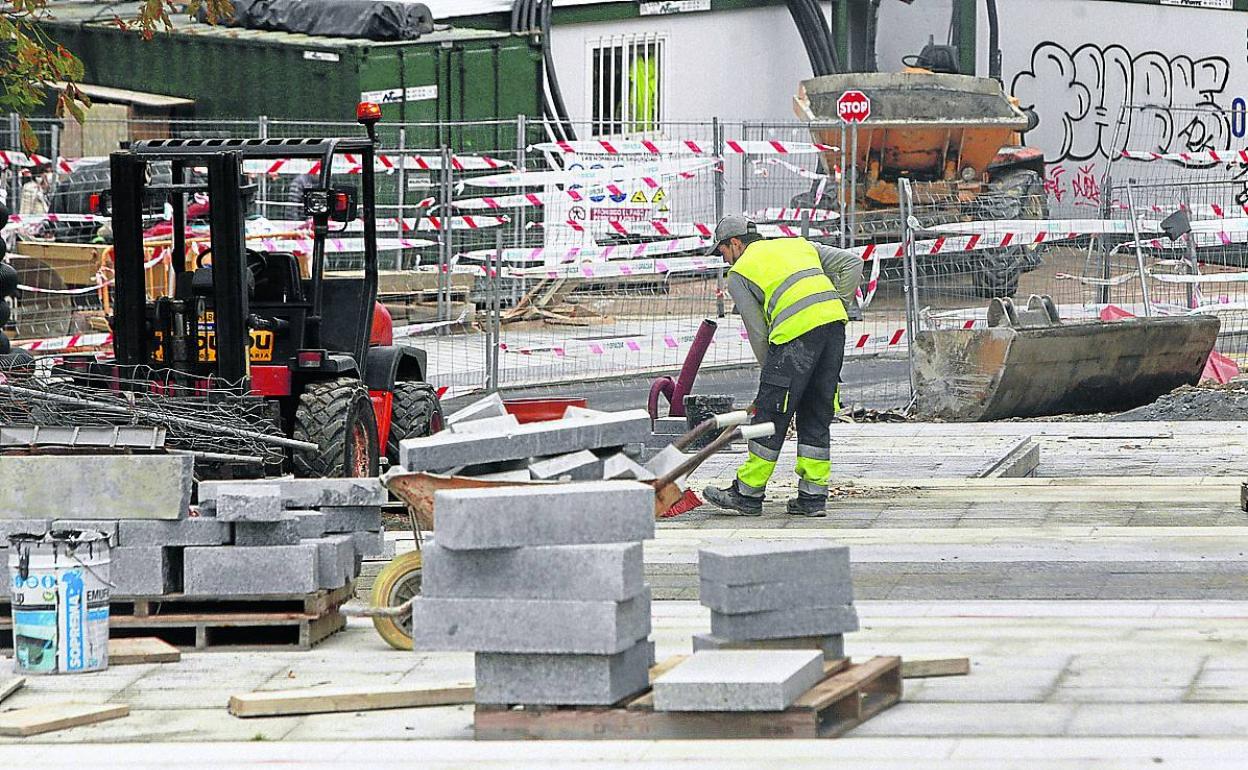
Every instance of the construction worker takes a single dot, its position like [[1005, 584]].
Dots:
[[791, 295]]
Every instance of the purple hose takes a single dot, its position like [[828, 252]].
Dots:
[[676, 391]]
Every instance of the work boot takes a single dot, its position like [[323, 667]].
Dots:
[[733, 502], [814, 506]]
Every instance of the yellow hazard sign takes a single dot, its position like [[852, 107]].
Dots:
[[638, 197], [660, 195]]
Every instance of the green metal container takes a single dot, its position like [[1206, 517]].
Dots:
[[449, 75]]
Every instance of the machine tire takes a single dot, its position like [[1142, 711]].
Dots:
[[338, 416], [997, 273], [416, 412], [397, 582]]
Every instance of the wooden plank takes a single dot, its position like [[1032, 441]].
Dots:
[[667, 664], [10, 687], [317, 700], [837, 686], [57, 716], [920, 669], [141, 649]]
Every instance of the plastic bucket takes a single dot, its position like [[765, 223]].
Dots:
[[527, 410], [58, 586]]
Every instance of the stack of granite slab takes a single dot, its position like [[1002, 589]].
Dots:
[[484, 441], [545, 585], [777, 595]]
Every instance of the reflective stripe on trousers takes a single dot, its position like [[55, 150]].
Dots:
[[814, 469], [754, 473]]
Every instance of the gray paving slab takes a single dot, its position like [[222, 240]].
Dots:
[[448, 450], [305, 494], [777, 624], [574, 466], [487, 425], [760, 597], [352, 518], [142, 571], [605, 572], [529, 626], [104, 486], [621, 466], [563, 680], [832, 646], [234, 571], [198, 530], [558, 514], [284, 531], [259, 502], [335, 560], [490, 406], [774, 562], [311, 524], [738, 680]]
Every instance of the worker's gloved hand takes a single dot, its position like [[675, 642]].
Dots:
[[853, 311]]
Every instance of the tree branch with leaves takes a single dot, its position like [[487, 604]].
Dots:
[[32, 63]]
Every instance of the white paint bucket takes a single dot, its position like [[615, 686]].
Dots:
[[59, 589]]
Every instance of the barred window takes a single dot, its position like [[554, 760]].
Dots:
[[626, 84]]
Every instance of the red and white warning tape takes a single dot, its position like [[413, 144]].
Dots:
[[804, 173], [609, 178], [60, 344], [557, 256], [347, 163], [1204, 157], [793, 215], [1049, 228], [681, 147], [16, 220], [656, 227], [407, 224], [623, 268], [335, 245]]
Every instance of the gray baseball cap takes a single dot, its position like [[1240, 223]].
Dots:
[[731, 226]]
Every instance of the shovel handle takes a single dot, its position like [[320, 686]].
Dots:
[[727, 437]]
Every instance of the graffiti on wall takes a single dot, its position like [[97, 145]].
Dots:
[[1078, 95]]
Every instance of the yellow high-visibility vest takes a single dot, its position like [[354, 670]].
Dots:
[[797, 294]]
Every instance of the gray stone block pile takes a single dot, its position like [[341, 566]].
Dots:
[[271, 537], [777, 595], [545, 585]]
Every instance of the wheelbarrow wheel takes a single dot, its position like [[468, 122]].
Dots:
[[397, 582]]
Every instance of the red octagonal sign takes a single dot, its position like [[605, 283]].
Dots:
[[854, 107]]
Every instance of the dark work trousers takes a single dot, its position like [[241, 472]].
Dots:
[[800, 376]]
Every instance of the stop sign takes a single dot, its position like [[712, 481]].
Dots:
[[853, 107]]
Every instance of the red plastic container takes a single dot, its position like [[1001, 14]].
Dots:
[[541, 409]]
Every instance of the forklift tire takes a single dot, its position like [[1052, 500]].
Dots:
[[998, 272], [416, 412], [338, 416], [397, 582]]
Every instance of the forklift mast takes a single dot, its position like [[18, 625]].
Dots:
[[345, 340]]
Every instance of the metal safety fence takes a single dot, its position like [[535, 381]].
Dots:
[[519, 262]]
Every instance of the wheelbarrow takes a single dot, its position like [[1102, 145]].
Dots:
[[398, 583]]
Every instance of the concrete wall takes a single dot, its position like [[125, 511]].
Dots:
[[735, 64]]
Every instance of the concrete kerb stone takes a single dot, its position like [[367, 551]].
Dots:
[[192, 531], [761, 597], [368, 545], [22, 527], [738, 680], [780, 624], [481, 409], [555, 514], [774, 562], [141, 571], [574, 466], [621, 466], [262, 502], [104, 486], [529, 626], [335, 560], [303, 494], [352, 518], [503, 425], [832, 646], [443, 451], [311, 523], [609, 572], [581, 413], [253, 534], [109, 528], [563, 680], [231, 571]]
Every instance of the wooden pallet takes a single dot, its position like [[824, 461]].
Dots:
[[234, 623], [847, 696]]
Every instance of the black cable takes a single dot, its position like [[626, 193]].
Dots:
[[810, 18], [797, 11], [831, 62], [552, 77], [994, 42]]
